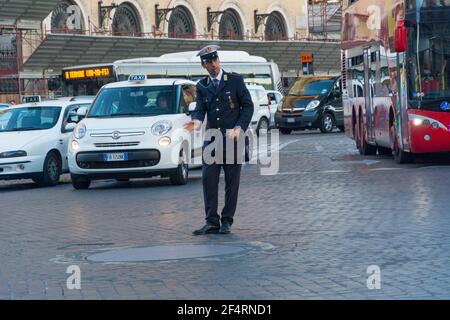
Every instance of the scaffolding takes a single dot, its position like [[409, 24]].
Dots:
[[324, 19]]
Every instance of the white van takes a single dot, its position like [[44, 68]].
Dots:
[[134, 129]]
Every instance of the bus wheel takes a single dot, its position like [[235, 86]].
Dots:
[[364, 148], [384, 151], [400, 156]]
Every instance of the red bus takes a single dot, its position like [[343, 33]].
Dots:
[[396, 73]]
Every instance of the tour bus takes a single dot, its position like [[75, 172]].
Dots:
[[87, 80], [396, 73]]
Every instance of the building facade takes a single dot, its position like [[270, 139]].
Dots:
[[207, 19], [36, 33]]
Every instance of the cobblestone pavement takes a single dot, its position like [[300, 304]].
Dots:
[[309, 232]]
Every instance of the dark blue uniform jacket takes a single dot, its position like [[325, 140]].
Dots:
[[227, 107]]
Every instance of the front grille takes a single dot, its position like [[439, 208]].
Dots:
[[117, 164], [136, 159], [291, 114], [116, 144]]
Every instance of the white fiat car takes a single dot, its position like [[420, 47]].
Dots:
[[134, 129], [34, 138]]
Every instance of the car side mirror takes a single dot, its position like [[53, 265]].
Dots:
[[70, 127], [82, 111], [336, 94], [192, 106]]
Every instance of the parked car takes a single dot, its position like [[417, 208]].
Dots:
[[4, 106], [134, 129], [261, 114], [313, 102], [34, 139], [275, 98]]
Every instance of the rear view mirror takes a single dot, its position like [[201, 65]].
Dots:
[[192, 106], [400, 36], [82, 111], [70, 126]]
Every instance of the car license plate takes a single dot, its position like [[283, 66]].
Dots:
[[291, 120], [119, 156]]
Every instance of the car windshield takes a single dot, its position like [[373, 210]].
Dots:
[[134, 101], [31, 118], [311, 87]]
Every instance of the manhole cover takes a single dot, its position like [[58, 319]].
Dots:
[[159, 253]]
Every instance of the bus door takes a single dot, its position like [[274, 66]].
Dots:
[[368, 95]]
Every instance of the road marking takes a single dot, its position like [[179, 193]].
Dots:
[[335, 171], [366, 162], [275, 148], [385, 169]]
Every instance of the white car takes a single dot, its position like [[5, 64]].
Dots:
[[134, 129], [34, 138], [4, 106], [275, 98], [261, 114]]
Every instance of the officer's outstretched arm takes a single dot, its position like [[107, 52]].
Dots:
[[246, 103]]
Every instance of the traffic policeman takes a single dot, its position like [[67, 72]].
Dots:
[[227, 103]]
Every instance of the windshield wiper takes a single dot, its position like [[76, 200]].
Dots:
[[124, 114], [24, 129]]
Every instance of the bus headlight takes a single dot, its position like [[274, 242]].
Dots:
[[160, 128], [417, 122], [80, 131]]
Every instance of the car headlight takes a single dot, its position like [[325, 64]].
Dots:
[[13, 154], [75, 145], [312, 105], [80, 131], [161, 127]]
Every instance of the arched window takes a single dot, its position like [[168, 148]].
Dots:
[[67, 17], [275, 27], [230, 26], [181, 23], [126, 21]]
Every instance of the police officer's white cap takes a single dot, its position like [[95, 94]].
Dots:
[[209, 52]]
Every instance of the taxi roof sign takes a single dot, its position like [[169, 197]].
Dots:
[[31, 99], [137, 77]]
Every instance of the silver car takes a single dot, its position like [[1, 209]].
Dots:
[[275, 98]]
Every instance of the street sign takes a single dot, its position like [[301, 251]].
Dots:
[[306, 57]]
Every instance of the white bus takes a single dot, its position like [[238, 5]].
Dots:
[[87, 80]]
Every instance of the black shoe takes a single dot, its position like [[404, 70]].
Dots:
[[206, 229], [225, 228]]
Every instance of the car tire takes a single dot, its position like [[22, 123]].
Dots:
[[52, 171], [327, 123], [80, 183], [285, 131], [262, 125], [181, 176]]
